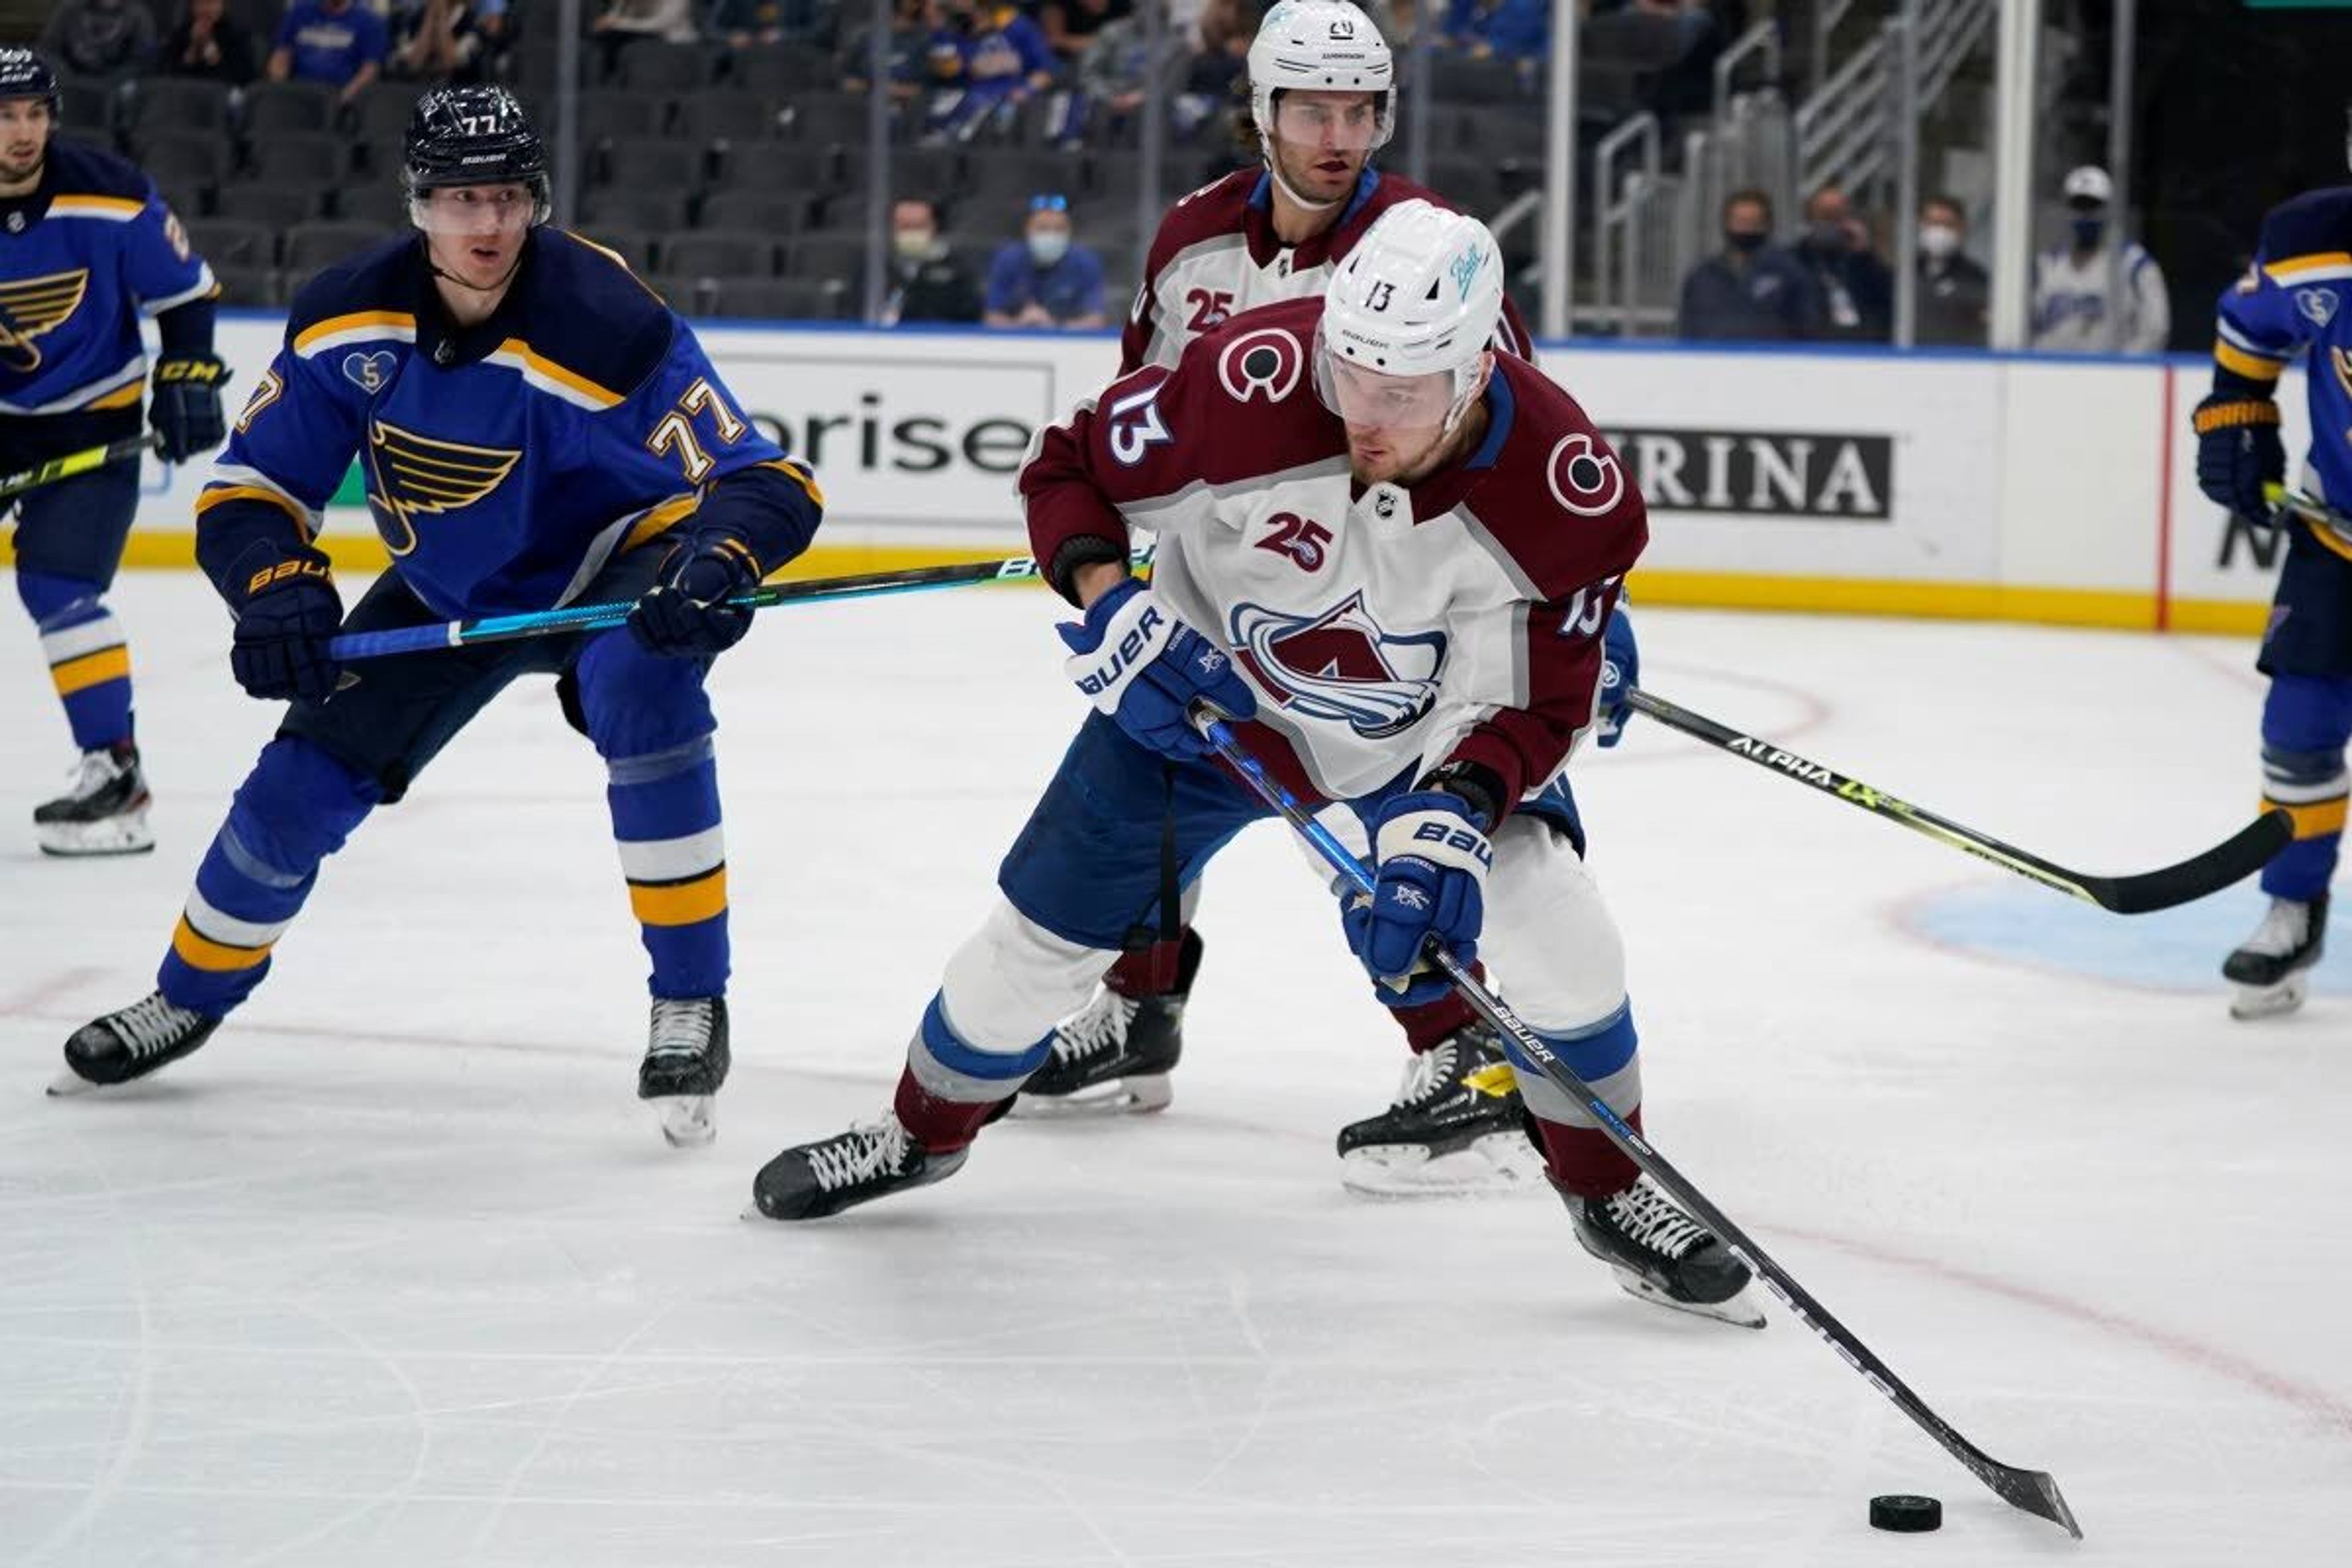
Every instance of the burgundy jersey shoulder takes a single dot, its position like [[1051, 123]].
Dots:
[[1216, 208], [1246, 399], [1558, 502]]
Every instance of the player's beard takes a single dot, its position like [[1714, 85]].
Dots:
[[19, 168], [1303, 170], [1396, 456]]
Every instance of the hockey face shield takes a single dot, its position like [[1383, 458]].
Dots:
[[465, 214], [1370, 399]]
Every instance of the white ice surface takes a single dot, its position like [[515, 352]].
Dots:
[[396, 1271]]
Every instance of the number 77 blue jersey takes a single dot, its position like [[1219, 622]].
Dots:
[[505, 463]]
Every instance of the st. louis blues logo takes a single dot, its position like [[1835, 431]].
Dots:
[[1341, 666]]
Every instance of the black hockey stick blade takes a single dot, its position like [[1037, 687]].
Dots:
[[2240, 856]]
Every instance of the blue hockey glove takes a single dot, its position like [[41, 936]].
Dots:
[[1145, 669], [686, 615], [278, 652], [186, 408], [1429, 860], [1621, 670], [2239, 451]]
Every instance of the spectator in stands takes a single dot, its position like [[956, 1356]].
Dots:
[[625, 22], [1755, 291], [916, 27], [1071, 27], [748, 23], [1508, 29], [928, 282], [1044, 281], [211, 45], [100, 39], [1857, 288], [1002, 60], [444, 40], [1218, 64], [2102, 293], [1955, 293], [338, 43], [1115, 78]]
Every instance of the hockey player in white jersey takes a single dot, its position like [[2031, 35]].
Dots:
[[1390, 553], [2098, 293]]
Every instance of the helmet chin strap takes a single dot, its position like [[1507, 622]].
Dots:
[[1273, 168]]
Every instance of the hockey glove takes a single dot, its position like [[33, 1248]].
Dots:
[[186, 410], [2239, 451], [1430, 860], [686, 616], [1621, 670], [1145, 669], [288, 612]]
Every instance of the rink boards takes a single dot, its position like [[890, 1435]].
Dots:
[[1966, 485]]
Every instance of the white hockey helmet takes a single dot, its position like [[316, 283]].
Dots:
[[1418, 297], [1320, 46]]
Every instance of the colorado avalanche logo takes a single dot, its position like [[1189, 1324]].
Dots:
[[1585, 478], [1266, 363], [1341, 666]]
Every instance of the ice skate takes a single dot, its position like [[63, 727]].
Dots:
[[132, 1043], [2271, 968], [1115, 1055], [1455, 1126], [1661, 1255], [685, 1062], [103, 810], [870, 1161]]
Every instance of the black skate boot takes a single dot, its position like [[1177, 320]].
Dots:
[[2272, 967], [1458, 1097], [1116, 1056], [1661, 1255], [132, 1043], [870, 1161], [102, 812], [686, 1061]]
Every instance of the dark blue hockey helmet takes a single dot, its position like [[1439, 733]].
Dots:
[[474, 136], [25, 74]]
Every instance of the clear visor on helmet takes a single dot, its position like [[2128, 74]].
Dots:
[[1367, 397], [460, 212], [1331, 121]]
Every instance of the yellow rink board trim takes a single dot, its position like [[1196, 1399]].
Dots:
[[2123, 609]]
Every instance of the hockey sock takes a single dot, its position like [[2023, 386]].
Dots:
[[2304, 722], [952, 1089], [296, 808], [1426, 1025], [1607, 1056], [666, 821], [89, 663], [1582, 1159]]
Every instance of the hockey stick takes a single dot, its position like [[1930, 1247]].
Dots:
[[599, 617], [2035, 1492], [2286, 503], [76, 463], [2233, 859]]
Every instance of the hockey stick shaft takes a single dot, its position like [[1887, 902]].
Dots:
[[2232, 860], [2033, 1491], [601, 617], [76, 463]]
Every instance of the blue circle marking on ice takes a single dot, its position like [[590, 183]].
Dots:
[[2176, 950]]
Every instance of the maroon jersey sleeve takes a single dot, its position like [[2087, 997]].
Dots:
[[1161, 430], [1565, 520], [1215, 209]]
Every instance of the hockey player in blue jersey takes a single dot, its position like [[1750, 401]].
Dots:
[[86, 250], [2291, 301], [536, 427]]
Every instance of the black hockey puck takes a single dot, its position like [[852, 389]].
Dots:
[[1905, 1514]]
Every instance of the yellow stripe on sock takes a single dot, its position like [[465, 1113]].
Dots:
[[91, 670], [198, 951], [680, 904], [2313, 819]]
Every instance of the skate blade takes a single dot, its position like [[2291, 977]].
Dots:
[[2252, 1002], [68, 1084], [1497, 1163], [1128, 1097], [1740, 1312], [79, 840], [687, 1120]]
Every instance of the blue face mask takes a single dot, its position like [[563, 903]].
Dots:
[[2087, 231]]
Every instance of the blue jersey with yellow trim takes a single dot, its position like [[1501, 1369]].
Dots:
[[84, 255], [506, 462], [2297, 297]]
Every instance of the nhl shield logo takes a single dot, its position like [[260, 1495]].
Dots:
[[2317, 305], [1341, 666]]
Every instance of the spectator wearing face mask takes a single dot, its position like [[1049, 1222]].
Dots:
[[1754, 291], [2100, 293], [1044, 281], [928, 283], [1857, 290], [1955, 293], [100, 38]]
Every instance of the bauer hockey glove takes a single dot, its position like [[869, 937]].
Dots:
[[2239, 451], [1620, 671], [1145, 668], [187, 409], [1430, 860], [283, 623], [686, 616]]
